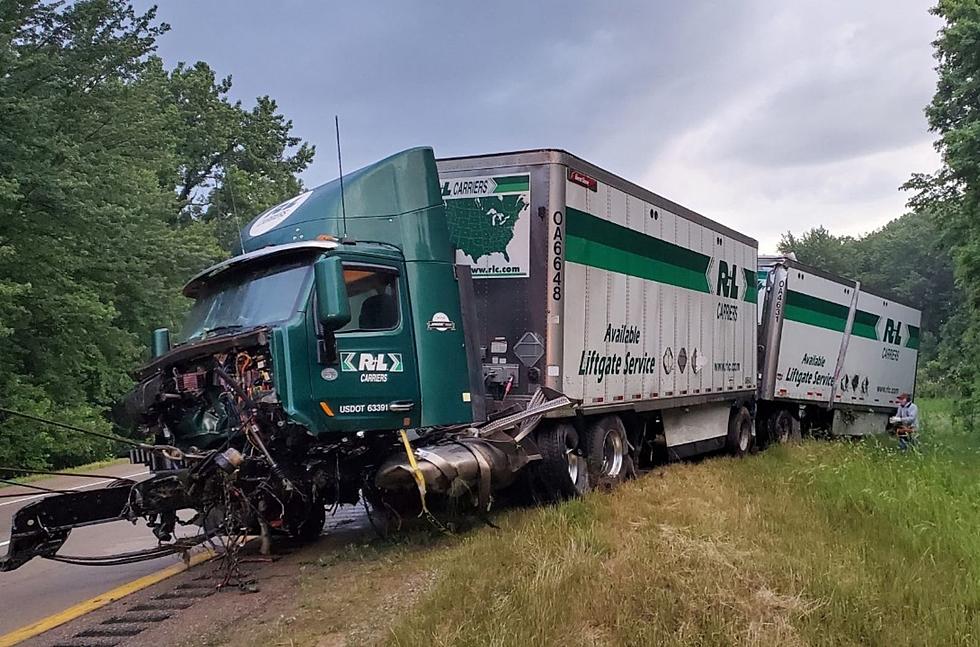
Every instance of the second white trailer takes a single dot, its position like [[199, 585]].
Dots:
[[830, 351]]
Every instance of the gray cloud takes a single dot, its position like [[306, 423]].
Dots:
[[851, 93], [745, 111]]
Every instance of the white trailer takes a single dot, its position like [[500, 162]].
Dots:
[[832, 354], [638, 309]]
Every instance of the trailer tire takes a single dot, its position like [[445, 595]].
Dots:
[[562, 471], [740, 435], [607, 450], [784, 428]]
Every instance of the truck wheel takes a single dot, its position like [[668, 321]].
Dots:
[[389, 511], [784, 428], [739, 440], [312, 526], [563, 470], [608, 452]]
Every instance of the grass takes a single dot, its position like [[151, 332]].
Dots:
[[824, 543], [81, 469]]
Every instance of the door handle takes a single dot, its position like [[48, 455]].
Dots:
[[399, 406]]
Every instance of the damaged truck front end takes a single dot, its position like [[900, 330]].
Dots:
[[216, 416], [302, 371]]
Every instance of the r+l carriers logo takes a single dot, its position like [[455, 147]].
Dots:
[[374, 367], [892, 333], [731, 284], [727, 281]]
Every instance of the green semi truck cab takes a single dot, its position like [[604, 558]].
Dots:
[[361, 297]]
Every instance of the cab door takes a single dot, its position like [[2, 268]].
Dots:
[[373, 384]]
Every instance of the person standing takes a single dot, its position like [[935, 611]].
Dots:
[[906, 421]]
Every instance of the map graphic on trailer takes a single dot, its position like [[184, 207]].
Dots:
[[489, 226]]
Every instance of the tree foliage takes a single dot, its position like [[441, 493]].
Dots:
[[113, 183], [953, 192], [931, 258], [233, 162]]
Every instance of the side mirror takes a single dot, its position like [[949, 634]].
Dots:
[[332, 306]]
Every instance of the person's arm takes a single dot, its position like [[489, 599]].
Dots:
[[911, 414]]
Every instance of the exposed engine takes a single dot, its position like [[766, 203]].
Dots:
[[247, 464], [223, 449]]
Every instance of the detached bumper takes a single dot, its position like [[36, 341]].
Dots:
[[41, 528]]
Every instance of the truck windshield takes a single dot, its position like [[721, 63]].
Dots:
[[246, 300]]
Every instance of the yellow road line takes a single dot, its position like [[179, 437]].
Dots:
[[80, 609]]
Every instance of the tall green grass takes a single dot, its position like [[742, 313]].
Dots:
[[822, 543], [888, 541], [830, 543]]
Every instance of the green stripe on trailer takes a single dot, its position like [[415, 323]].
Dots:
[[606, 245], [579, 250], [751, 285], [512, 183], [865, 325], [913, 340], [811, 310]]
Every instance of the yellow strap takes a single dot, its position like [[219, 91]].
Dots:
[[416, 472], [420, 480]]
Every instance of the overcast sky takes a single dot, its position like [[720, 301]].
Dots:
[[765, 115]]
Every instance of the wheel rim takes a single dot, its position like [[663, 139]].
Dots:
[[782, 429], [572, 459], [743, 437], [612, 454]]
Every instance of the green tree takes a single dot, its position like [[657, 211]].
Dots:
[[820, 248], [953, 192], [97, 145], [74, 159], [234, 162]]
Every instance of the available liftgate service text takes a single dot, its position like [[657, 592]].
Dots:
[[600, 365]]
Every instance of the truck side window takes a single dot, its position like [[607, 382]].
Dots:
[[373, 294]]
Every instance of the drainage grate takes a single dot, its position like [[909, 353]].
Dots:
[[111, 631], [131, 617], [185, 594]]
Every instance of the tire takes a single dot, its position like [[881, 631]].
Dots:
[[562, 470], [607, 452], [390, 511], [312, 526], [740, 432], [528, 490], [784, 428]]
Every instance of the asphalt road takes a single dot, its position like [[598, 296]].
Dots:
[[42, 587]]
